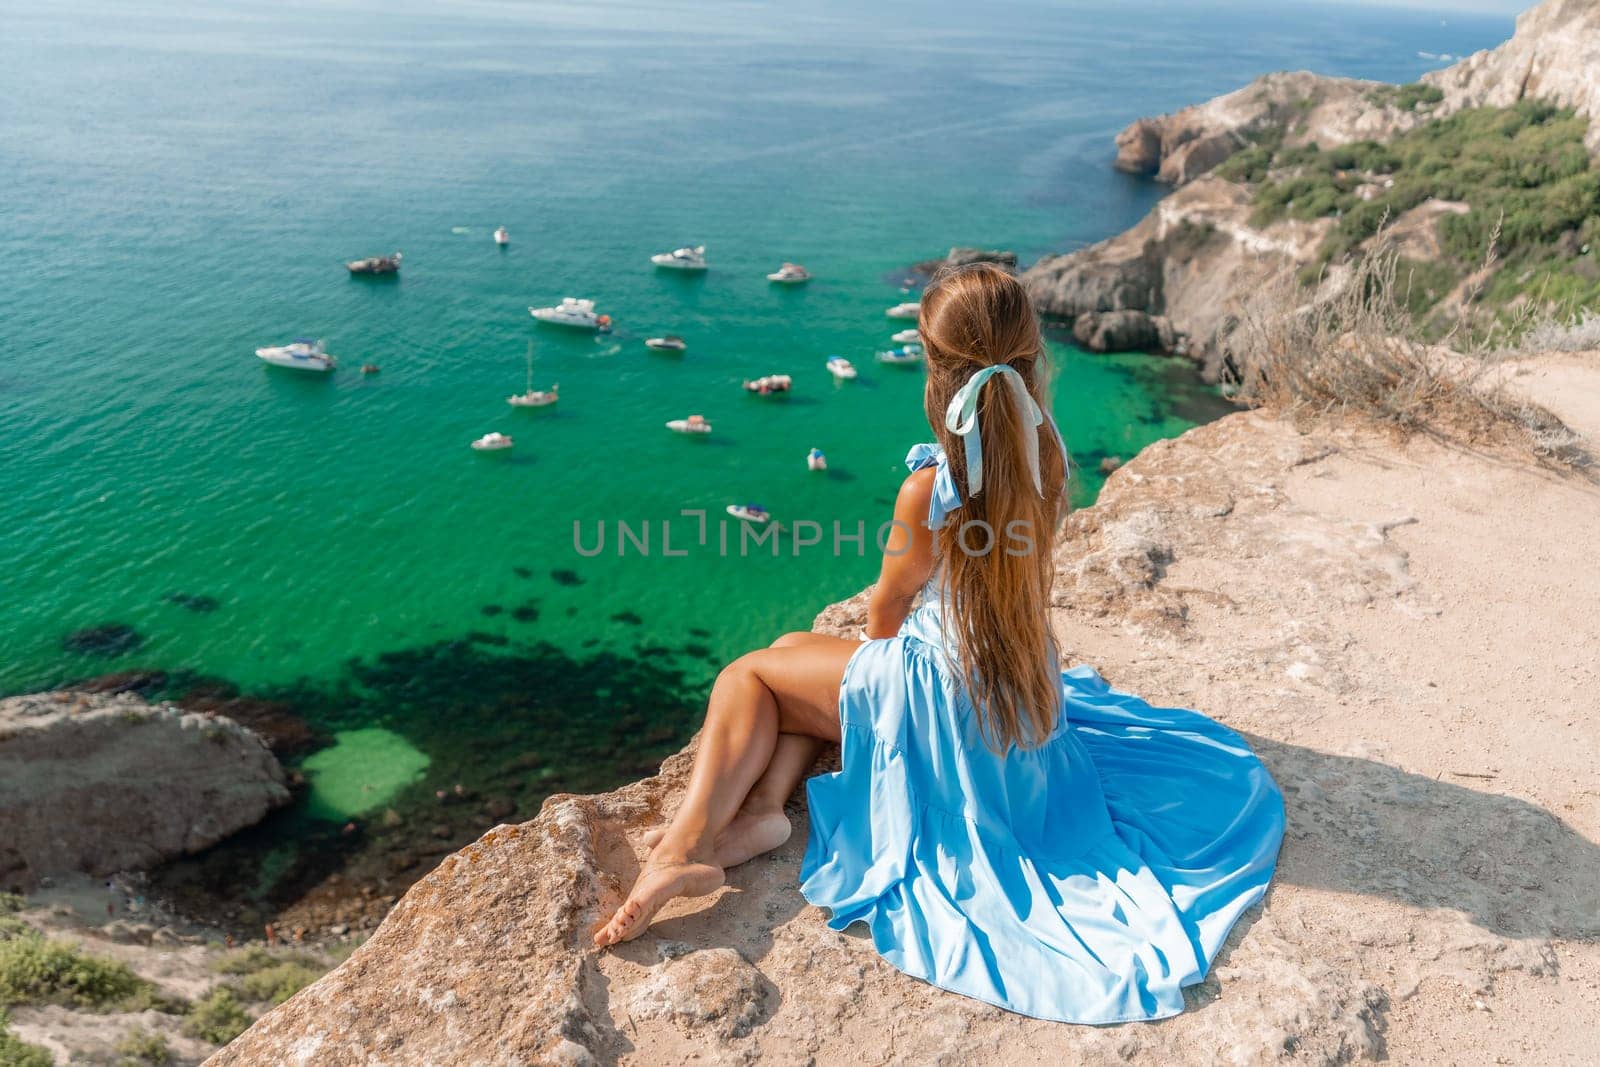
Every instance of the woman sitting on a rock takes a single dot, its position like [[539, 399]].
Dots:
[[1024, 835]]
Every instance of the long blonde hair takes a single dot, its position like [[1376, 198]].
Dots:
[[997, 602]]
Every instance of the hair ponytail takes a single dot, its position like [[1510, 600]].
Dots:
[[995, 551]]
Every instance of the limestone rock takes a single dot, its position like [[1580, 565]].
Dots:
[[1304, 107], [1554, 56], [1124, 331], [97, 783], [960, 257]]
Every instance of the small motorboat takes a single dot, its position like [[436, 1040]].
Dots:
[[572, 311], [502, 236], [694, 424], [907, 356], [816, 461], [841, 368], [908, 310], [790, 274], [492, 442], [682, 258], [369, 368], [769, 384], [907, 337], [531, 397], [670, 343], [303, 353], [375, 265], [750, 513]]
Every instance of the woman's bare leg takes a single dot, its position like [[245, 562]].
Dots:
[[761, 824], [790, 690]]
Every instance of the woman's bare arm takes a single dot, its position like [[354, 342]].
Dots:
[[907, 558]]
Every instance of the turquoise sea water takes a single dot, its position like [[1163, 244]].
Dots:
[[182, 183]]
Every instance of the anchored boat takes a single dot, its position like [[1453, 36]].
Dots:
[[301, 354], [682, 258], [572, 311]]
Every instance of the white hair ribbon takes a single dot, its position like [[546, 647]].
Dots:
[[961, 419]]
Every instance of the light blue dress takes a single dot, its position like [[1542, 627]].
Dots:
[[1087, 880]]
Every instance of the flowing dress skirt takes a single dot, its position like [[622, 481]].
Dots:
[[1087, 880]]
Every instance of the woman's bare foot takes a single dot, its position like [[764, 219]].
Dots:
[[657, 884], [749, 835]]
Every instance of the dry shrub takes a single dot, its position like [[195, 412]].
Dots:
[[1573, 332], [1353, 346]]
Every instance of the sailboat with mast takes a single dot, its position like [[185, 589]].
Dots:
[[531, 397]]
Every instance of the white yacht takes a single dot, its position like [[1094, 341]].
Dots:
[[572, 311], [682, 258], [902, 357], [502, 236], [790, 274], [841, 368], [908, 310], [669, 343], [693, 424], [302, 354], [492, 442], [907, 337]]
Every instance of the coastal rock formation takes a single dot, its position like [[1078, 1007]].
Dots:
[[1123, 331], [1198, 251], [97, 783], [1401, 629], [1183, 266], [1306, 108], [1554, 56], [960, 257]]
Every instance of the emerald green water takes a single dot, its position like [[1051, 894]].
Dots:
[[183, 186]]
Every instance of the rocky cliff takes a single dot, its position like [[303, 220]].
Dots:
[[1554, 56], [1305, 108], [98, 783], [1174, 282], [1403, 630]]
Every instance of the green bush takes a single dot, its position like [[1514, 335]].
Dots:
[[15, 1052], [1420, 284], [1414, 95], [257, 958], [277, 984], [33, 970], [141, 1048], [1532, 191], [217, 1017], [11, 903]]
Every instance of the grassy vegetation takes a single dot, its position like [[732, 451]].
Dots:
[[35, 969], [141, 1048], [217, 1017], [1410, 97], [1524, 172], [15, 1052], [265, 975]]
